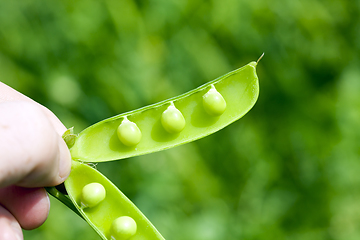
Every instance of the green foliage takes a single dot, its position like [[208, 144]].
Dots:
[[288, 170]]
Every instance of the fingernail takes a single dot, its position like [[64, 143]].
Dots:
[[17, 233], [47, 199], [64, 161]]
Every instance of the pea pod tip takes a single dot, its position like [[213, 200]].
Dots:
[[262, 55], [254, 64]]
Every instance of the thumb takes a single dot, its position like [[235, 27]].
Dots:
[[33, 153]]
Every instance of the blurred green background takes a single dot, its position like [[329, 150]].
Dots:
[[289, 169]]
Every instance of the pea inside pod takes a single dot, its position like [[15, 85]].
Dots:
[[115, 217], [239, 88], [172, 119], [92, 194], [213, 102], [129, 133], [123, 228]]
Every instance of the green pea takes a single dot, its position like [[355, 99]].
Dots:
[[123, 228], [213, 102], [92, 194], [116, 217], [129, 133], [172, 119], [240, 88]]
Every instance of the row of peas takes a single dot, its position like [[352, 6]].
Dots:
[[122, 227], [172, 119]]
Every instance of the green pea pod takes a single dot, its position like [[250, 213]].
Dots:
[[166, 124], [110, 215], [205, 110]]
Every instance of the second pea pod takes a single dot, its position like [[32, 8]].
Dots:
[[109, 212]]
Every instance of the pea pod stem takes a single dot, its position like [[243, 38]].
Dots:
[[62, 198]]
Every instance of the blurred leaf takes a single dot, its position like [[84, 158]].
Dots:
[[287, 170]]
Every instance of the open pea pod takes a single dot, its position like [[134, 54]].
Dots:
[[107, 210], [163, 125], [172, 122]]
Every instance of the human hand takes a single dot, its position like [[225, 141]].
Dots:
[[32, 156]]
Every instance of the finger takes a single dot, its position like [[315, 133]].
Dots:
[[32, 153], [8, 94], [30, 206], [9, 227], [58, 126]]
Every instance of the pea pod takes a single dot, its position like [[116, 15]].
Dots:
[[203, 114], [115, 216], [166, 124]]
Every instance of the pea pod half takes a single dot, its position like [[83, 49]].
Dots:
[[113, 216], [197, 114]]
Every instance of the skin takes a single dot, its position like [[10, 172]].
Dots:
[[33, 155]]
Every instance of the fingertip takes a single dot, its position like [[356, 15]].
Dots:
[[34, 210], [64, 161]]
